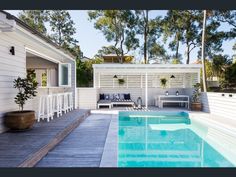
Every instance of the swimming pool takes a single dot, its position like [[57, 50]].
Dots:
[[168, 139]]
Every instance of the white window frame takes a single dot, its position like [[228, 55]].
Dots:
[[60, 74]]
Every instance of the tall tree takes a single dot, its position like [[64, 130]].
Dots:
[[35, 19], [149, 29], [117, 26], [172, 27], [63, 28], [203, 52]]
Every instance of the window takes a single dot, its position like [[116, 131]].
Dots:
[[65, 74]]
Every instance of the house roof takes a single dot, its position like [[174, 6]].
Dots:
[[35, 32], [147, 66]]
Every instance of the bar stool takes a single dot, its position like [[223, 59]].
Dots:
[[70, 97], [63, 102], [45, 107], [56, 105]]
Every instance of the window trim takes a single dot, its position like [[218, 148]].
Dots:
[[60, 75]]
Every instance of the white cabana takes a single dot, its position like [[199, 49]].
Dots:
[[143, 80]]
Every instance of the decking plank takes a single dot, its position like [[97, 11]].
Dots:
[[23, 148], [83, 147]]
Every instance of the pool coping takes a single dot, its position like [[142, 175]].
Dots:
[[109, 155]]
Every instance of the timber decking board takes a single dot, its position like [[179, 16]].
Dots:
[[83, 147], [25, 149]]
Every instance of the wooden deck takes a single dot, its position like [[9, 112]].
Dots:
[[25, 149], [83, 147]]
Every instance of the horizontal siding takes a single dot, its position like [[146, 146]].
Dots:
[[219, 105], [11, 66], [87, 98], [181, 80]]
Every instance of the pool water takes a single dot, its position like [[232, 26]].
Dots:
[[156, 139]]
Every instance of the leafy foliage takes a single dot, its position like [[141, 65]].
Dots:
[[84, 72], [196, 93], [35, 19], [118, 27], [163, 82], [62, 27], [26, 88], [121, 81], [149, 29]]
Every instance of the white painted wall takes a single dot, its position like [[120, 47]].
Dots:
[[216, 104], [12, 66], [87, 98]]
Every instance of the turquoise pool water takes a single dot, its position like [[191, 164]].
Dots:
[[161, 139]]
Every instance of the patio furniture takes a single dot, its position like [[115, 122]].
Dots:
[[45, 108], [57, 104], [104, 103], [114, 99], [175, 99], [122, 102]]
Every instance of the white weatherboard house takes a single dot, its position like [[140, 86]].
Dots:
[[22, 48], [141, 80]]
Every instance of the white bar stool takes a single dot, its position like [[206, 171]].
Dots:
[[70, 97], [56, 104], [45, 107], [63, 102]]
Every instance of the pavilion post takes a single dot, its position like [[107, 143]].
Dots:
[[146, 90]]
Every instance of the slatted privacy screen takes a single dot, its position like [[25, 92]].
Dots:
[[181, 80]]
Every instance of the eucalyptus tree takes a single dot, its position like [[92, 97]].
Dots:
[[226, 16], [172, 27], [149, 29], [62, 27], [203, 52], [35, 19], [117, 26]]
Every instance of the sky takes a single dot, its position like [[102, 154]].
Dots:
[[91, 40]]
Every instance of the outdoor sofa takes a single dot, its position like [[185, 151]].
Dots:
[[114, 99]]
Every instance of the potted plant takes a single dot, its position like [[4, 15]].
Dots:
[[121, 81], [22, 119], [163, 82], [196, 105]]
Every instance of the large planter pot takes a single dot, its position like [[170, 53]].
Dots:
[[19, 120], [196, 106]]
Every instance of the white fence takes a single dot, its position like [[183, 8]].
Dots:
[[87, 98], [220, 104]]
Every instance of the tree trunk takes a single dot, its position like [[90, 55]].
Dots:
[[177, 50], [121, 47], [177, 45], [145, 36], [203, 53], [188, 53]]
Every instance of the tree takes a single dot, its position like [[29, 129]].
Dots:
[[117, 26], [149, 29], [203, 53], [219, 64], [177, 60], [63, 28], [105, 50], [172, 27], [229, 17], [158, 53], [35, 19], [84, 72]]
